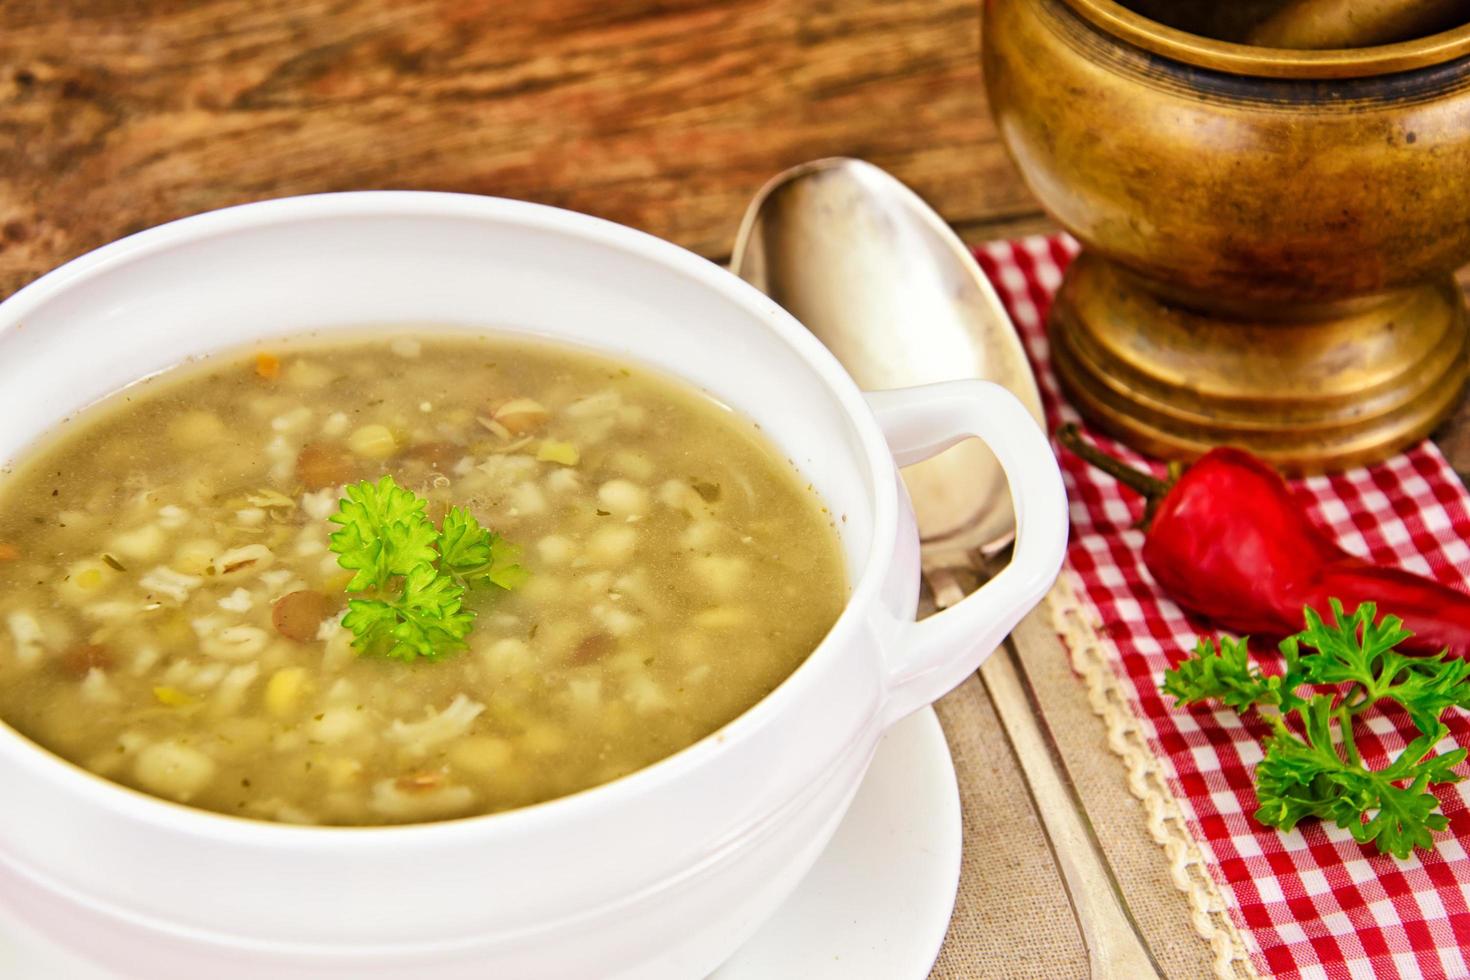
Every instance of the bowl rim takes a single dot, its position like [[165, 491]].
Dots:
[[1245, 59], [537, 818]]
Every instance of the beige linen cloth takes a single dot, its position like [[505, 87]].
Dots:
[[1011, 917]]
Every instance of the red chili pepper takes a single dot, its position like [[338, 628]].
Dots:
[[1227, 540]]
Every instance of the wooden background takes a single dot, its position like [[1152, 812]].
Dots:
[[119, 114]]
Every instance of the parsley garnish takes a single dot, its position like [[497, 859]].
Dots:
[[414, 577], [475, 556], [1320, 773], [385, 533]]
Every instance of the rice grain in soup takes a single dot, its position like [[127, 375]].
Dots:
[[171, 606]]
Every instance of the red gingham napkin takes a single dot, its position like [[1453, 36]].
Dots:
[[1311, 903]]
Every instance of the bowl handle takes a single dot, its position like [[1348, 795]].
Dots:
[[936, 654]]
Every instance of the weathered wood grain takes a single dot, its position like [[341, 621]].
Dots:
[[119, 114]]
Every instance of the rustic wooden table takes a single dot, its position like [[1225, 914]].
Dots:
[[116, 115]]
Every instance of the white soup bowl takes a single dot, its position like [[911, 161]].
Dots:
[[662, 873]]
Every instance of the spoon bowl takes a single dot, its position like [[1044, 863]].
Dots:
[[882, 281]]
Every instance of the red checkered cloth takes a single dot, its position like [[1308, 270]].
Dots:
[[1311, 903]]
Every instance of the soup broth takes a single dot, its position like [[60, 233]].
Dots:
[[171, 606]]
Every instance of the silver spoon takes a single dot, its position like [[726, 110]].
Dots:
[[870, 269]]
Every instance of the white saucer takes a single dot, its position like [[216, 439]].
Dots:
[[875, 906]]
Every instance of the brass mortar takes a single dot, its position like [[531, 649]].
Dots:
[[1269, 234]]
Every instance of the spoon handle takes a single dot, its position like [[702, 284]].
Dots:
[[1115, 947]]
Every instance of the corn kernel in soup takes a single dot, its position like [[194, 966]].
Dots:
[[171, 605]]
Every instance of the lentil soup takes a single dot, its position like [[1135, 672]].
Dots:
[[172, 602]]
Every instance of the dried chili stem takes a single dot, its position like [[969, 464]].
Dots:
[[1070, 437]]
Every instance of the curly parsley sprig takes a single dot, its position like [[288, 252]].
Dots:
[[413, 577], [1320, 772]]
